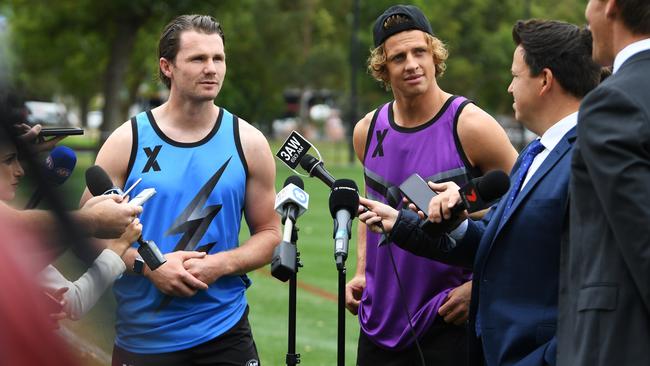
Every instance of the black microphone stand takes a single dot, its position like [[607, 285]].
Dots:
[[293, 358], [340, 338], [285, 264]]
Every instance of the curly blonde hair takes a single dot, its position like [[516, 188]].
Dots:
[[377, 60]]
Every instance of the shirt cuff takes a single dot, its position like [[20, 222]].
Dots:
[[459, 232]]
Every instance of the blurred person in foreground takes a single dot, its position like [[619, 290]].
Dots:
[[442, 137], [209, 169], [26, 336], [605, 284], [77, 297], [515, 250]]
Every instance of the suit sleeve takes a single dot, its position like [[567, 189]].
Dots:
[[411, 234], [616, 150]]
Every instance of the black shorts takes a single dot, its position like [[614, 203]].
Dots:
[[443, 345], [236, 347]]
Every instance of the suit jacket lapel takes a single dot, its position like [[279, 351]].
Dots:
[[562, 148]]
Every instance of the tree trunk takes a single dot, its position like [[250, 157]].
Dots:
[[84, 105], [121, 49]]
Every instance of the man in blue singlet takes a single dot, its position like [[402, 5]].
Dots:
[[209, 168], [442, 137]]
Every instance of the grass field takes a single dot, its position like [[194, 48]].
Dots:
[[316, 334]]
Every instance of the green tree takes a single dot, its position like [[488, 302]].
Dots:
[[82, 48]]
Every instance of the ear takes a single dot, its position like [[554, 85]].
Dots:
[[611, 9], [547, 80], [165, 67]]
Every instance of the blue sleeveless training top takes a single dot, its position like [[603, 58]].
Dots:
[[198, 206]]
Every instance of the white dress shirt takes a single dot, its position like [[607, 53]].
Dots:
[[629, 51], [549, 140]]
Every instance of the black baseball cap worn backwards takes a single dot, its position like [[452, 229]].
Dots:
[[415, 19]]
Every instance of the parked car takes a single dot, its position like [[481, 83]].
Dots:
[[46, 113]]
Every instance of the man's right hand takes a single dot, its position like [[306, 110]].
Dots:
[[108, 215], [31, 134], [173, 279], [131, 234], [440, 206], [353, 291], [377, 213]]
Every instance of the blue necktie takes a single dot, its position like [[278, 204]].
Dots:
[[534, 148]]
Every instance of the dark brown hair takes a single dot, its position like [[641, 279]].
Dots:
[[563, 48]]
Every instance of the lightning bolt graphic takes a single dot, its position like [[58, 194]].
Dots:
[[194, 221]]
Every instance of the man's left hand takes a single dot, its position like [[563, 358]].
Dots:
[[456, 307], [205, 269]]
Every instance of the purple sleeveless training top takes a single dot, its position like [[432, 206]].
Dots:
[[392, 154]]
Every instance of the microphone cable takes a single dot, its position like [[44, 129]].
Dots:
[[401, 291]]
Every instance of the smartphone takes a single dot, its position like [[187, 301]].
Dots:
[[143, 196], [418, 192], [61, 131]]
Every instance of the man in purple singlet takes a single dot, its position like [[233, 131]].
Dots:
[[515, 250], [442, 137]]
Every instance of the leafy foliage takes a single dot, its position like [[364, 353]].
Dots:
[[78, 48]]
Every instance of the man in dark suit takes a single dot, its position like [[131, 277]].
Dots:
[[515, 250], [605, 282]]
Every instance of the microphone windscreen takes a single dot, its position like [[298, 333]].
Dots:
[[59, 165], [97, 180], [345, 196], [295, 180], [493, 185], [308, 162]]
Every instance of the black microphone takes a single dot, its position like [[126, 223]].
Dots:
[[99, 183], [57, 168], [290, 202], [316, 168], [344, 203], [476, 195], [479, 193]]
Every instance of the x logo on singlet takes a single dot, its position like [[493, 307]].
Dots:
[[379, 149], [152, 163]]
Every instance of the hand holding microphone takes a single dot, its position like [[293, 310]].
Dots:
[[99, 183], [447, 208], [377, 215], [441, 207], [111, 216], [452, 201]]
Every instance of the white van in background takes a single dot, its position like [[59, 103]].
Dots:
[[47, 113]]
